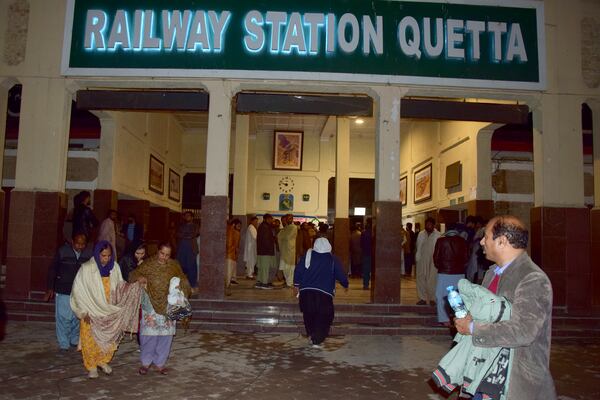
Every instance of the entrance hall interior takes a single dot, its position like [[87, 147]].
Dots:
[[115, 151]]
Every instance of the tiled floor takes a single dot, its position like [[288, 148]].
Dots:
[[245, 291], [226, 366]]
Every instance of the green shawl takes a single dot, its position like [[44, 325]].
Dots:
[[159, 276]]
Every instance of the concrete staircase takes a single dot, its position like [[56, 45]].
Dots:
[[282, 317]]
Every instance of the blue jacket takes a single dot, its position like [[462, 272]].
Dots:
[[324, 270]]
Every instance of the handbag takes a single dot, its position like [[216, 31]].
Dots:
[[177, 312]]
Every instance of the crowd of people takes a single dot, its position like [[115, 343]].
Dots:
[[98, 299]]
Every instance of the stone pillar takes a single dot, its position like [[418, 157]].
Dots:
[[341, 227], [594, 105], [4, 88], [107, 152], [560, 224], [215, 202], [38, 202], [387, 209], [240, 181]]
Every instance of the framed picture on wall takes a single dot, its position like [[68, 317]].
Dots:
[[423, 184], [156, 175], [174, 185], [287, 150], [403, 194]]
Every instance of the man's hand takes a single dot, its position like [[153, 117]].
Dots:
[[49, 295], [463, 324]]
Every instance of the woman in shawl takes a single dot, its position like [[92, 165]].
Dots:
[[156, 331], [95, 283], [314, 280]]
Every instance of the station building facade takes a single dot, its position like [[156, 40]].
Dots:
[[266, 104]]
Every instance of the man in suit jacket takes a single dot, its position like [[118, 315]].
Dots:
[[528, 331]]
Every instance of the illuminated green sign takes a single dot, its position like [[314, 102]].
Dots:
[[435, 43]]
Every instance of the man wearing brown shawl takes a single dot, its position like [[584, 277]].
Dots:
[[156, 331]]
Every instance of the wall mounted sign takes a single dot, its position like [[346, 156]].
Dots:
[[174, 185], [286, 202], [287, 152], [403, 195], [422, 180], [479, 44], [156, 180]]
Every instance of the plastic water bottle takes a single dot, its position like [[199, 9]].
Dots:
[[456, 302]]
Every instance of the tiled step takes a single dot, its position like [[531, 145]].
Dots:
[[356, 319]]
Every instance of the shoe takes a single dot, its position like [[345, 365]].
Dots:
[[250, 278], [143, 370], [258, 285], [317, 346], [163, 371], [268, 286], [106, 369], [421, 303], [234, 282], [432, 303], [93, 373]]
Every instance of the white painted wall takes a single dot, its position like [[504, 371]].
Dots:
[[138, 135]]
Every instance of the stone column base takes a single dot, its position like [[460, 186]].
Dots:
[[560, 245], [595, 257], [213, 232], [387, 254], [34, 233], [341, 241]]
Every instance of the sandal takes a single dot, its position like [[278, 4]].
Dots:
[[163, 371], [143, 370]]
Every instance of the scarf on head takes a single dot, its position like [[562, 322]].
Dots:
[[321, 245], [159, 277], [104, 270]]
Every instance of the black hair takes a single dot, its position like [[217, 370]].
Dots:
[[516, 234]]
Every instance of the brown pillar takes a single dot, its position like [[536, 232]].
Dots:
[[212, 247], [158, 226], [104, 200], [3, 217], [34, 233], [387, 236], [560, 245], [595, 257], [341, 241]]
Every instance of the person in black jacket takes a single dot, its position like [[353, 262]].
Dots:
[[84, 220], [314, 282], [265, 251], [62, 272]]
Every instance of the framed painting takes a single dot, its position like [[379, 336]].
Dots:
[[174, 185], [287, 150], [423, 184], [286, 202], [156, 181], [403, 193]]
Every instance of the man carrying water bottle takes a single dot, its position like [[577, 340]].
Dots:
[[528, 331]]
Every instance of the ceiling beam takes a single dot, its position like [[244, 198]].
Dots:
[[465, 111], [304, 104], [142, 100]]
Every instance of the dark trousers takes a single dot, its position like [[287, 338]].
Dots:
[[408, 263], [317, 311], [366, 271]]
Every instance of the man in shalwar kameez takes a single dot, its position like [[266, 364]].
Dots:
[[426, 271]]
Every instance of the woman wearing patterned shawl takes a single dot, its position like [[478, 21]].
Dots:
[[156, 332], [107, 307]]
